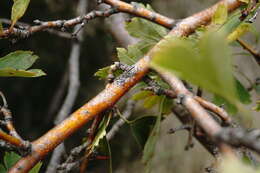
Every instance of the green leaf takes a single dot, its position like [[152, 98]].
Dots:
[[220, 101], [167, 106], [257, 107], [10, 159], [9, 72], [206, 63], [150, 144], [104, 149], [36, 168], [21, 60], [243, 94], [15, 64], [18, 9], [141, 129], [130, 55], [150, 101], [144, 29], [100, 133], [257, 88], [102, 73], [221, 14], [141, 95], [2, 169]]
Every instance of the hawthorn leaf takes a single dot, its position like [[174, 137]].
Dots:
[[21, 60], [102, 73], [100, 133], [207, 64], [150, 101], [221, 14], [141, 129], [243, 94], [36, 168], [10, 158], [144, 29], [150, 144], [10, 72], [18, 9], [130, 55], [141, 95]]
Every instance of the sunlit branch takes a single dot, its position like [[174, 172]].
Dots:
[[111, 94]]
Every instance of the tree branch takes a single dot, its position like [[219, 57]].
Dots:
[[110, 95], [74, 84]]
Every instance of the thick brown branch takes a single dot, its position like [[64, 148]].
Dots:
[[109, 96], [142, 12]]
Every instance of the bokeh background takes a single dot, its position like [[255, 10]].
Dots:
[[30, 99]]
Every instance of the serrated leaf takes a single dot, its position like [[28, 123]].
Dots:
[[36, 168], [144, 29], [10, 159], [21, 60], [141, 95], [179, 56], [221, 14], [18, 9], [141, 129], [100, 133], [130, 55]]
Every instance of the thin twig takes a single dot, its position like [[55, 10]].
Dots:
[[74, 84], [23, 25], [62, 24], [126, 114], [249, 48]]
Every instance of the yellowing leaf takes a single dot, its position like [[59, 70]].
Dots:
[[221, 14], [18, 10], [240, 31]]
